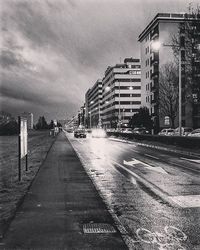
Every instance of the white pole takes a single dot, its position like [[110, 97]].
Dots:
[[180, 95], [119, 108]]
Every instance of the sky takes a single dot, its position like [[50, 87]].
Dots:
[[53, 51]]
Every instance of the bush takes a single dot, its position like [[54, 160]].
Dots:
[[10, 128]]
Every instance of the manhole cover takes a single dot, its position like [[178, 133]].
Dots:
[[98, 228]]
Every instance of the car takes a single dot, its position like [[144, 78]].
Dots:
[[98, 133], [141, 131], [70, 130], [195, 133], [184, 131], [127, 130], [166, 132], [80, 133]]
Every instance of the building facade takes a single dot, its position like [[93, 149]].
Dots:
[[163, 28], [29, 117], [93, 105], [121, 92]]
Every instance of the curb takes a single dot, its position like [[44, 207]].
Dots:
[[160, 147]]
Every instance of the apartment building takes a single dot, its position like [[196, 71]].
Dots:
[[29, 117], [162, 28], [93, 105], [121, 93]]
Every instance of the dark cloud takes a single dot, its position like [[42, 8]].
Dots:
[[9, 59], [53, 51]]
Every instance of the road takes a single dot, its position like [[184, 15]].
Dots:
[[154, 195]]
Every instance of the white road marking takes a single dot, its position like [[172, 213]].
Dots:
[[131, 163], [192, 160], [80, 141], [147, 166], [136, 151], [182, 166], [151, 156], [150, 185], [186, 201]]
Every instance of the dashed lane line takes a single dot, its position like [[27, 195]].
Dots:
[[136, 151], [192, 160], [182, 166], [151, 156]]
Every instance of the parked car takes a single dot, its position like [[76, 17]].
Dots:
[[127, 130], [184, 131], [195, 133], [80, 133], [141, 131], [166, 132], [70, 130]]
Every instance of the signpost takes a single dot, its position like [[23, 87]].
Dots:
[[22, 144]]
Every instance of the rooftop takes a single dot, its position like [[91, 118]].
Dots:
[[172, 17]]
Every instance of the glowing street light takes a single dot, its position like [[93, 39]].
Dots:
[[156, 45], [107, 88]]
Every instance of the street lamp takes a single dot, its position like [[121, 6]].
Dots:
[[107, 88], [156, 46], [119, 116]]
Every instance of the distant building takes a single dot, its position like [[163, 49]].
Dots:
[[29, 117], [162, 28], [121, 93], [93, 105]]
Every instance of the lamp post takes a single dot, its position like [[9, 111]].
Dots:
[[119, 117], [156, 46]]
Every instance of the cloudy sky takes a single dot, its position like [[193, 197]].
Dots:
[[52, 51]]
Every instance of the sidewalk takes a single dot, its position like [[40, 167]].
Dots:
[[62, 209]]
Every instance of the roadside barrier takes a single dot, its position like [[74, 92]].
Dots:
[[182, 141]]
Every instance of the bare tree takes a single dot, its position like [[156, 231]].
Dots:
[[187, 40], [168, 91]]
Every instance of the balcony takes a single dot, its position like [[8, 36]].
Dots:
[[155, 59], [154, 74], [153, 88], [153, 101], [154, 34]]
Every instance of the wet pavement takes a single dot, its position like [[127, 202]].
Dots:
[[62, 209], [155, 194]]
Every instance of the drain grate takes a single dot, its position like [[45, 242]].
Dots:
[[96, 228]]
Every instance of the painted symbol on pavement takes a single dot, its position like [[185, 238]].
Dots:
[[172, 238], [147, 166]]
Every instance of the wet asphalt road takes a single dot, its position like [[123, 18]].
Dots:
[[154, 194]]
